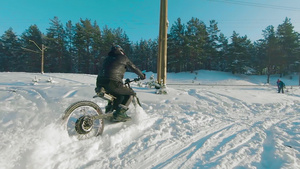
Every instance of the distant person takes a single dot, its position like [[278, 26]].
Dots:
[[280, 85]]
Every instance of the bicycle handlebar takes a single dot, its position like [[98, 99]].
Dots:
[[127, 81]]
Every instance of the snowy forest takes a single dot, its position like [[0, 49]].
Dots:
[[81, 48]]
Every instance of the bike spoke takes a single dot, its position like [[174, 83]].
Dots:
[[80, 121], [73, 119]]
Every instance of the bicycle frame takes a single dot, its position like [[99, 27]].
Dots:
[[80, 117], [106, 96]]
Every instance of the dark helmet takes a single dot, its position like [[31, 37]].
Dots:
[[117, 49]]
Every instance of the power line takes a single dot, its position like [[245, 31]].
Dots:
[[258, 5]]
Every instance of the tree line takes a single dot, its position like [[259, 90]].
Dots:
[[194, 46], [81, 48]]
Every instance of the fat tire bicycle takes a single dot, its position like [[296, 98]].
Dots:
[[85, 119]]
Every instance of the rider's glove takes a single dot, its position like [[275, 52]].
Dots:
[[143, 78], [127, 81]]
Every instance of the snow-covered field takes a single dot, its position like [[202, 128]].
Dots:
[[243, 124]]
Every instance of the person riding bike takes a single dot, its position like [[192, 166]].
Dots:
[[111, 79]]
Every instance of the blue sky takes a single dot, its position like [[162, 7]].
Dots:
[[140, 18]]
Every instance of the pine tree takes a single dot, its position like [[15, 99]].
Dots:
[[97, 51], [176, 43], [56, 47], [70, 58], [83, 42], [196, 38], [32, 60], [10, 54], [223, 54], [115, 37], [108, 39], [269, 52], [211, 47], [289, 43], [239, 53]]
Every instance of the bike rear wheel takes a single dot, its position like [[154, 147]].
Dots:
[[78, 120]]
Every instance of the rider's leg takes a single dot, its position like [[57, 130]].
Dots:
[[120, 113], [123, 96], [127, 100], [117, 88], [109, 107], [119, 99]]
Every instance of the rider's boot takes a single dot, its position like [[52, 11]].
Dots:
[[120, 114], [109, 107]]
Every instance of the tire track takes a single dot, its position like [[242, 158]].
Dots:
[[230, 147], [187, 152]]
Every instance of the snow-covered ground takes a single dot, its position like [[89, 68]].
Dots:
[[207, 120]]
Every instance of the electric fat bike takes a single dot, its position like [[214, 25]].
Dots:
[[85, 119]]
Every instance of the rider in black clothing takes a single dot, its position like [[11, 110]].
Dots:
[[111, 78]]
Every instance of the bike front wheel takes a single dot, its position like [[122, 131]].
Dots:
[[79, 122]]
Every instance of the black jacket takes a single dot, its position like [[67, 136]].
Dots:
[[115, 66]]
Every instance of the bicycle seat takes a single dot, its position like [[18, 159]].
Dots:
[[103, 94]]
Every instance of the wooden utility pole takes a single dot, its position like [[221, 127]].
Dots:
[[42, 53], [162, 44], [42, 61]]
